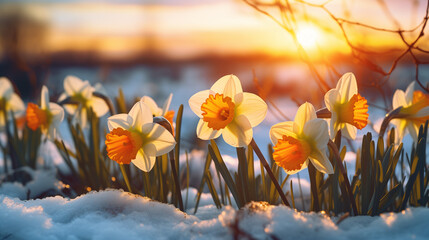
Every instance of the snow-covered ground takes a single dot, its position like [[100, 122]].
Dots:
[[114, 214]]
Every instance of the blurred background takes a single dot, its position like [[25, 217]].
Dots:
[[286, 51]]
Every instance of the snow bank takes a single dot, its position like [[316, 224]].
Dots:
[[115, 214]]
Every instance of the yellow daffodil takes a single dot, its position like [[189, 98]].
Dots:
[[414, 112], [348, 108], [48, 116], [225, 109], [160, 112], [81, 92], [134, 137], [300, 141], [9, 101]]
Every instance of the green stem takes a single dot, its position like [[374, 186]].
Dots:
[[337, 157], [124, 174], [163, 122], [270, 173], [313, 183]]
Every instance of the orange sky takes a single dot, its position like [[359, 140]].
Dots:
[[197, 27]]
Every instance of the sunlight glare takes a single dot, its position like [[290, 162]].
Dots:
[[307, 36]]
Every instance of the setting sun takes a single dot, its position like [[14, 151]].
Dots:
[[308, 36]]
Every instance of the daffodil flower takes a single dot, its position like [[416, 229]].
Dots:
[[226, 110], [48, 116], [134, 137], [348, 108], [160, 112], [300, 141], [414, 112], [81, 92], [9, 101]]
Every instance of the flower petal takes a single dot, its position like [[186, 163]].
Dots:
[[119, 121], [206, 133], [347, 86], [400, 125], [44, 98], [141, 114], [239, 132], [156, 111], [16, 105], [145, 158], [197, 100], [409, 93], [317, 130], [57, 112], [304, 114], [321, 162], [399, 99], [332, 97], [303, 166], [6, 88], [157, 135], [73, 85], [99, 106], [349, 131], [282, 129], [229, 85], [413, 129], [253, 107], [167, 104], [82, 117]]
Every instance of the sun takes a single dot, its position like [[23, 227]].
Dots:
[[307, 36]]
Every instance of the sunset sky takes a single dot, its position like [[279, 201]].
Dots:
[[181, 29]]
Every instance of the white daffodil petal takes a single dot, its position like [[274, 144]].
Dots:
[[238, 133], [156, 111], [400, 125], [145, 159], [16, 105], [206, 133], [303, 166], [166, 105], [51, 133], [253, 107], [197, 100], [86, 90], [82, 117], [321, 162], [72, 85], [57, 112], [230, 88], [6, 88], [44, 98], [349, 131], [162, 139], [347, 86], [141, 114], [317, 130], [399, 99], [332, 97], [424, 112], [220, 85], [119, 121], [282, 129], [304, 114], [334, 127], [99, 106], [100, 89], [413, 129], [409, 93]]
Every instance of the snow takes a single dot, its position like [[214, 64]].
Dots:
[[115, 214]]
